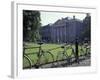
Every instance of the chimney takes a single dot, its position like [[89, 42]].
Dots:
[[74, 17], [87, 14]]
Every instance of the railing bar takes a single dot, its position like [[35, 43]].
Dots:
[[30, 47]]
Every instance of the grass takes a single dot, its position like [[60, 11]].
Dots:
[[32, 53]]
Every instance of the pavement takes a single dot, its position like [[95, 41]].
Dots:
[[82, 62]]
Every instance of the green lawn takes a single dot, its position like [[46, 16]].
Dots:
[[32, 53]]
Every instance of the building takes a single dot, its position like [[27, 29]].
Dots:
[[64, 30]]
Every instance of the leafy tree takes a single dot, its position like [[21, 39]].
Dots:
[[31, 25], [86, 33]]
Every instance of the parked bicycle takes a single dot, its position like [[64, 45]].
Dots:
[[40, 57], [66, 54], [85, 49]]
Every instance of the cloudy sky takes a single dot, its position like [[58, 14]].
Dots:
[[51, 17]]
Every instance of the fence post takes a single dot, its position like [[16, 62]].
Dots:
[[23, 49], [76, 52]]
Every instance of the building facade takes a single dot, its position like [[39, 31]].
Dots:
[[64, 30]]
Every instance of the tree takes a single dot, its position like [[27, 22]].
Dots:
[[31, 25], [86, 33]]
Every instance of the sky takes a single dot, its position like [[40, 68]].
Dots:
[[51, 17]]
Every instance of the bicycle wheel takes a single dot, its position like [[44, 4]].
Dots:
[[61, 56], [27, 63], [46, 57], [33, 57], [49, 57], [88, 51], [82, 50], [69, 52]]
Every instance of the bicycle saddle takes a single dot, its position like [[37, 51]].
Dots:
[[62, 46], [40, 43]]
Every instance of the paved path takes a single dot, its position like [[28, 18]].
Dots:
[[85, 62]]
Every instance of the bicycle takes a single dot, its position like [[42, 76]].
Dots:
[[65, 54], [26, 60], [41, 57], [84, 50]]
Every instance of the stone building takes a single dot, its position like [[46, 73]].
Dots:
[[63, 30]]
